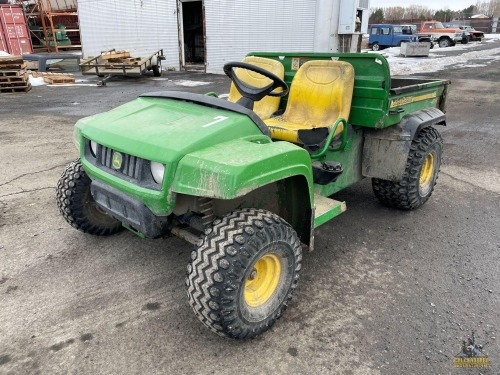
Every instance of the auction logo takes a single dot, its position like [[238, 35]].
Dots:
[[471, 355]]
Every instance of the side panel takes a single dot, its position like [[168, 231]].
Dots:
[[385, 151], [233, 169]]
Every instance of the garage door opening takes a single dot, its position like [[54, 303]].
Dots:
[[192, 37]]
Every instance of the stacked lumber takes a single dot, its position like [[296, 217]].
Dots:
[[117, 59], [13, 75], [55, 78]]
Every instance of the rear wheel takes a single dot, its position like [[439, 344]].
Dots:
[[422, 168], [77, 205], [375, 47], [242, 276]]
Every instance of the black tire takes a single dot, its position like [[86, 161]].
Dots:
[[222, 274], [418, 181], [77, 206], [445, 42], [375, 47], [157, 70]]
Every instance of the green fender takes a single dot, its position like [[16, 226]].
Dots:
[[233, 169]]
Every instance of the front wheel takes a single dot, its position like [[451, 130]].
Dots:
[[77, 205], [422, 169], [242, 276], [444, 42]]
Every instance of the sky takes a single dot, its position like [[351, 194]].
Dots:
[[432, 4]]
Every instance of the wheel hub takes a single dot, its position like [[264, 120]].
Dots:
[[427, 172], [262, 281]]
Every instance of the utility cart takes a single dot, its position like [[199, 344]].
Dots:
[[123, 67], [248, 180]]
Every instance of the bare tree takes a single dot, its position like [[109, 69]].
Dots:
[[394, 13], [489, 8], [417, 12]]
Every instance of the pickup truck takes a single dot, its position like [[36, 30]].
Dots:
[[446, 36], [249, 179], [386, 35]]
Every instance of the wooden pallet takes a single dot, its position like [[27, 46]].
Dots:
[[55, 80], [12, 73], [18, 89], [12, 66], [11, 60], [14, 78], [6, 85]]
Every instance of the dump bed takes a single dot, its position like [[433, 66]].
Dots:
[[378, 100]]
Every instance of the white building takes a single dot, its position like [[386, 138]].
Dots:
[[209, 33]]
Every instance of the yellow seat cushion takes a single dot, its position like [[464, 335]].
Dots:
[[321, 93], [265, 107]]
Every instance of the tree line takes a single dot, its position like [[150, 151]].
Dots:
[[490, 8]]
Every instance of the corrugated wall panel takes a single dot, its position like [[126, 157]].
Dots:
[[143, 27], [236, 27]]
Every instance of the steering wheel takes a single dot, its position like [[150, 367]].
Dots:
[[251, 94]]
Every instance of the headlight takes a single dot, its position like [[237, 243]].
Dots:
[[93, 148], [158, 171]]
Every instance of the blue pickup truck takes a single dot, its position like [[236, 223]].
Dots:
[[383, 36]]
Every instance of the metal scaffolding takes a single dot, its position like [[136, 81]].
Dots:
[[48, 15]]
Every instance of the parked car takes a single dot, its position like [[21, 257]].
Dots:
[[386, 35], [474, 35]]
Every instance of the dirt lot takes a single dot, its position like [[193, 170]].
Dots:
[[385, 292]]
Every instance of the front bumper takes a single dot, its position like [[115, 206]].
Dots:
[[131, 212]]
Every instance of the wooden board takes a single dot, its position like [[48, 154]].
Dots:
[[115, 55], [51, 74]]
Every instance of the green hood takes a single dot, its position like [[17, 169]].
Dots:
[[165, 130]]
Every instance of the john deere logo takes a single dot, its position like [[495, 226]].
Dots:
[[117, 160]]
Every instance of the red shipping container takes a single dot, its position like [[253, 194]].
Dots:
[[14, 34]]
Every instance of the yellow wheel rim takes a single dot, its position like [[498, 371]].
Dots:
[[427, 172], [262, 281]]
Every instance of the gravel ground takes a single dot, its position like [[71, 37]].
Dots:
[[385, 292]]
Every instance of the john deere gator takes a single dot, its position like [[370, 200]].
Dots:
[[248, 180]]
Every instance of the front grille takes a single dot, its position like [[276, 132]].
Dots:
[[132, 169], [130, 164]]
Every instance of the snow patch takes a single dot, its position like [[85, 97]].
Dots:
[[438, 59], [187, 83], [38, 81]]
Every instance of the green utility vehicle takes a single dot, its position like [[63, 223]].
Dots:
[[249, 179]]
